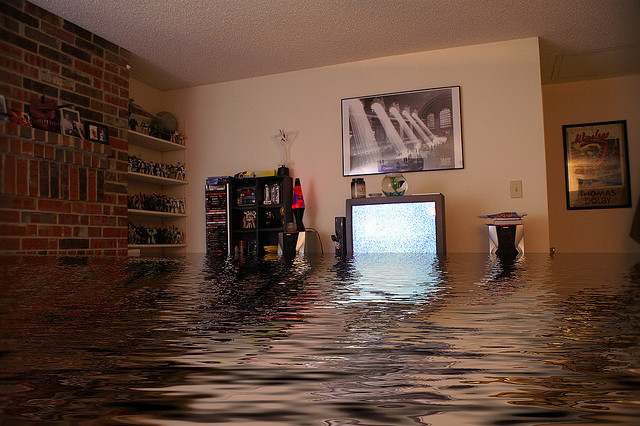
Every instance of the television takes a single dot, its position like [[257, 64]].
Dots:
[[402, 224]]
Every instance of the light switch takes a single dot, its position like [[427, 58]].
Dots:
[[516, 188]]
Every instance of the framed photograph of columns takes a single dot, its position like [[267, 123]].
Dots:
[[402, 132], [597, 165]]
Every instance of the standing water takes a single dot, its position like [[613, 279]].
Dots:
[[380, 339]]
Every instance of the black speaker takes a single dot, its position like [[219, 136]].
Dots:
[[506, 240], [340, 235]]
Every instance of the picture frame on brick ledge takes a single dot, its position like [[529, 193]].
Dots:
[[96, 132], [4, 115], [70, 124]]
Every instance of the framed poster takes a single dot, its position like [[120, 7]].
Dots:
[[402, 132], [597, 165]]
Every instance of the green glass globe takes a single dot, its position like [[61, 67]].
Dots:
[[394, 184]]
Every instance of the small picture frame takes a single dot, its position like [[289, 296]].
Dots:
[[70, 122], [95, 132], [597, 165], [4, 116]]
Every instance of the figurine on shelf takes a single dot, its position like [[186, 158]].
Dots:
[[179, 138], [145, 128], [249, 219], [133, 124], [171, 171], [181, 175], [132, 237], [152, 236]]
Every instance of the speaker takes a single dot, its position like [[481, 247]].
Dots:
[[506, 240], [340, 236]]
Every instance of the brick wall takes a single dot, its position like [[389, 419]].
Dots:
[[61, 194]]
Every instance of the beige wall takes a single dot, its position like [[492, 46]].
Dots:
[[601, 230], [230, 125], [152, 100]]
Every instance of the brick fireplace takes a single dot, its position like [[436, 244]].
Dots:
[[61, 195]]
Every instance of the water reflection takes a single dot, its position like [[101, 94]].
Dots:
[[389, 277], [372, 340]]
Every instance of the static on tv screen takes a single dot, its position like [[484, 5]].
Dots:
[[394, 228]]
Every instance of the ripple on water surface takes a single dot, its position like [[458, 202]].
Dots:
[[372, 340]]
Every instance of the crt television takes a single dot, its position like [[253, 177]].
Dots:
[[402, 224]]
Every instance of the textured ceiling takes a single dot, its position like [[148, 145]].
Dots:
[[179, 44]]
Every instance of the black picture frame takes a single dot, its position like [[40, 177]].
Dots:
[[597, 165], [418, 130], [96, 132]]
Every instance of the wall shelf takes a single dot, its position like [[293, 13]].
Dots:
[[165, 152], [142, 246], [150, 142], [270, 200], [156, 180], [135, 212]]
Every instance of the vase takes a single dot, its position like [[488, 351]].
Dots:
[[358, 188], [394, 184]]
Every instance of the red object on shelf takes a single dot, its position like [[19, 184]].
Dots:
[[298, 205], [298, 199], [504, 218]]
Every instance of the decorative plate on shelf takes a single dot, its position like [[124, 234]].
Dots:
[[166, 120]]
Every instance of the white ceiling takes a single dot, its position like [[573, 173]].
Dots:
[[177, 44]]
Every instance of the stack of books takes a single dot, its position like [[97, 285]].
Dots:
[[504, 218]]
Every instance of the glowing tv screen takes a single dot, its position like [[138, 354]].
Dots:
[[405, 224]]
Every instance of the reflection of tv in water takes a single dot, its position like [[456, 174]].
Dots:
[[404, 224]]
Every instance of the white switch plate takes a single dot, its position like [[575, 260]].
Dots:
[[516, 188]]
